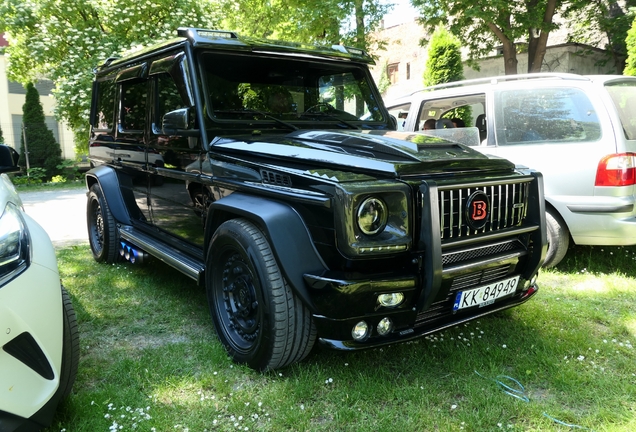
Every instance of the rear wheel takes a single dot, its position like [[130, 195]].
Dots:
[[102, 234], [558, 239], [258, 318]]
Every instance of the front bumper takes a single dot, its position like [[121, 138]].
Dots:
[[31, 321], [406, 333]]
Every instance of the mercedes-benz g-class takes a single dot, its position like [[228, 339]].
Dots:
[[271, 174]]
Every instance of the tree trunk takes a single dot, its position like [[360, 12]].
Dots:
[[509, 49], [537, 42]]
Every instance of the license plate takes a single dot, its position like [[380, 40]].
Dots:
[[485, 295]]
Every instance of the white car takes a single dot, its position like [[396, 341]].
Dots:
[[39, 340], [578, 131]]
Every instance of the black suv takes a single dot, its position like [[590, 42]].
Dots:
[[271, 174]]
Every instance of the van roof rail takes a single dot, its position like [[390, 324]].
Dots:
[[504, 78]]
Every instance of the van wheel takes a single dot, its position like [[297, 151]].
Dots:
[[558, 239], [102, 234], [70, 347], [257, 317]]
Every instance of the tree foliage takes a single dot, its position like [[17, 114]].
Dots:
[[43, 151], [630, 64], [523, 25], [481, 25], [444, 62], [347, 22], [444, 65], [602, 23], [64, 40]]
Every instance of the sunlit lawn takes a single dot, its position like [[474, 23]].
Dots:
[[150, 361]]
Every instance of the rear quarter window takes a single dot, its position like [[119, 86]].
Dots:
[[104, 109], [543, 116], [623, 95]]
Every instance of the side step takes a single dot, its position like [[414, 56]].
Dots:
[[186, 264]]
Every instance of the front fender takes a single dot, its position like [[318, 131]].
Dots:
[[109, 181], [285, 230]]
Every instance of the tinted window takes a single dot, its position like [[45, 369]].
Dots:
[[624, 96], [545, 115], [239, 88], [133, 105], [168, 96], [105, 106]]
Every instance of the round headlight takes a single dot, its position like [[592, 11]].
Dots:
[[372, 216], [391, 300]]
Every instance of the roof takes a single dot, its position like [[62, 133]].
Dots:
[[232, 41]]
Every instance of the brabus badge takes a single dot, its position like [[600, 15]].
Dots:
[[477, 210]]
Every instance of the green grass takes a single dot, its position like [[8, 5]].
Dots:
[[150, 360], [42, 187]]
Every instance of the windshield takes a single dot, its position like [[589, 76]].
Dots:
[[297, 93], [624, 96]]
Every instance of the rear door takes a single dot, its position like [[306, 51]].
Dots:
[[556, 130]]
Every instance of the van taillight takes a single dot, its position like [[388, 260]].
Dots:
[[616, 170]]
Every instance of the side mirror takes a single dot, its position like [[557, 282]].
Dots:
[[177, 122], [8, 159]]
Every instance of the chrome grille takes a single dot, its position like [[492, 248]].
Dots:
[[508, 204]]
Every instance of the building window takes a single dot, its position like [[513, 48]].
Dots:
[[392, 72], [408, 71]]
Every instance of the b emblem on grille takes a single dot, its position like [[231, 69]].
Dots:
[[477, 210]]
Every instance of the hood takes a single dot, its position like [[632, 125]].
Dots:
[[8, 193], [389, 153]]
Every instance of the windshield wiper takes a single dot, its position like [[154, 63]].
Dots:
[[266, 115], [331, 116]]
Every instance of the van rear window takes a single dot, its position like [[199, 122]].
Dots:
[[623, 95], [546, 115]]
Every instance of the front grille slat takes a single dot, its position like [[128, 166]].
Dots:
[[508, 207]]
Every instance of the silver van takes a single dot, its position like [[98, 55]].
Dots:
[[578, 131]]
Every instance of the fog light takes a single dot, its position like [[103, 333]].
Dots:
[[391, 300], [360, 331], [385, 326]]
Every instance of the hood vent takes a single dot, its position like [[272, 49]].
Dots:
[[271, 177]]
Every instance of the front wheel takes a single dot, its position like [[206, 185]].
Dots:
[[70, 347], [102, 234], [257, 317]]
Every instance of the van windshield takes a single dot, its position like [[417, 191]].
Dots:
[[623, 95], [247, 88]]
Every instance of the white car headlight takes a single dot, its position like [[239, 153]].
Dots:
[[14, 244]]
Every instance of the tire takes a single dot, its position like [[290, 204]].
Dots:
[[558, 239], [70, 348], [257, 317], [102, 232]]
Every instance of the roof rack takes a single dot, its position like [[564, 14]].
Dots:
[[194, 34], [504, 78]]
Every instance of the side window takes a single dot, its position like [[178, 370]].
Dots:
[[549, 115], [104, 114], [468, 110], [167, 96], [400, 112], [133, 105]]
